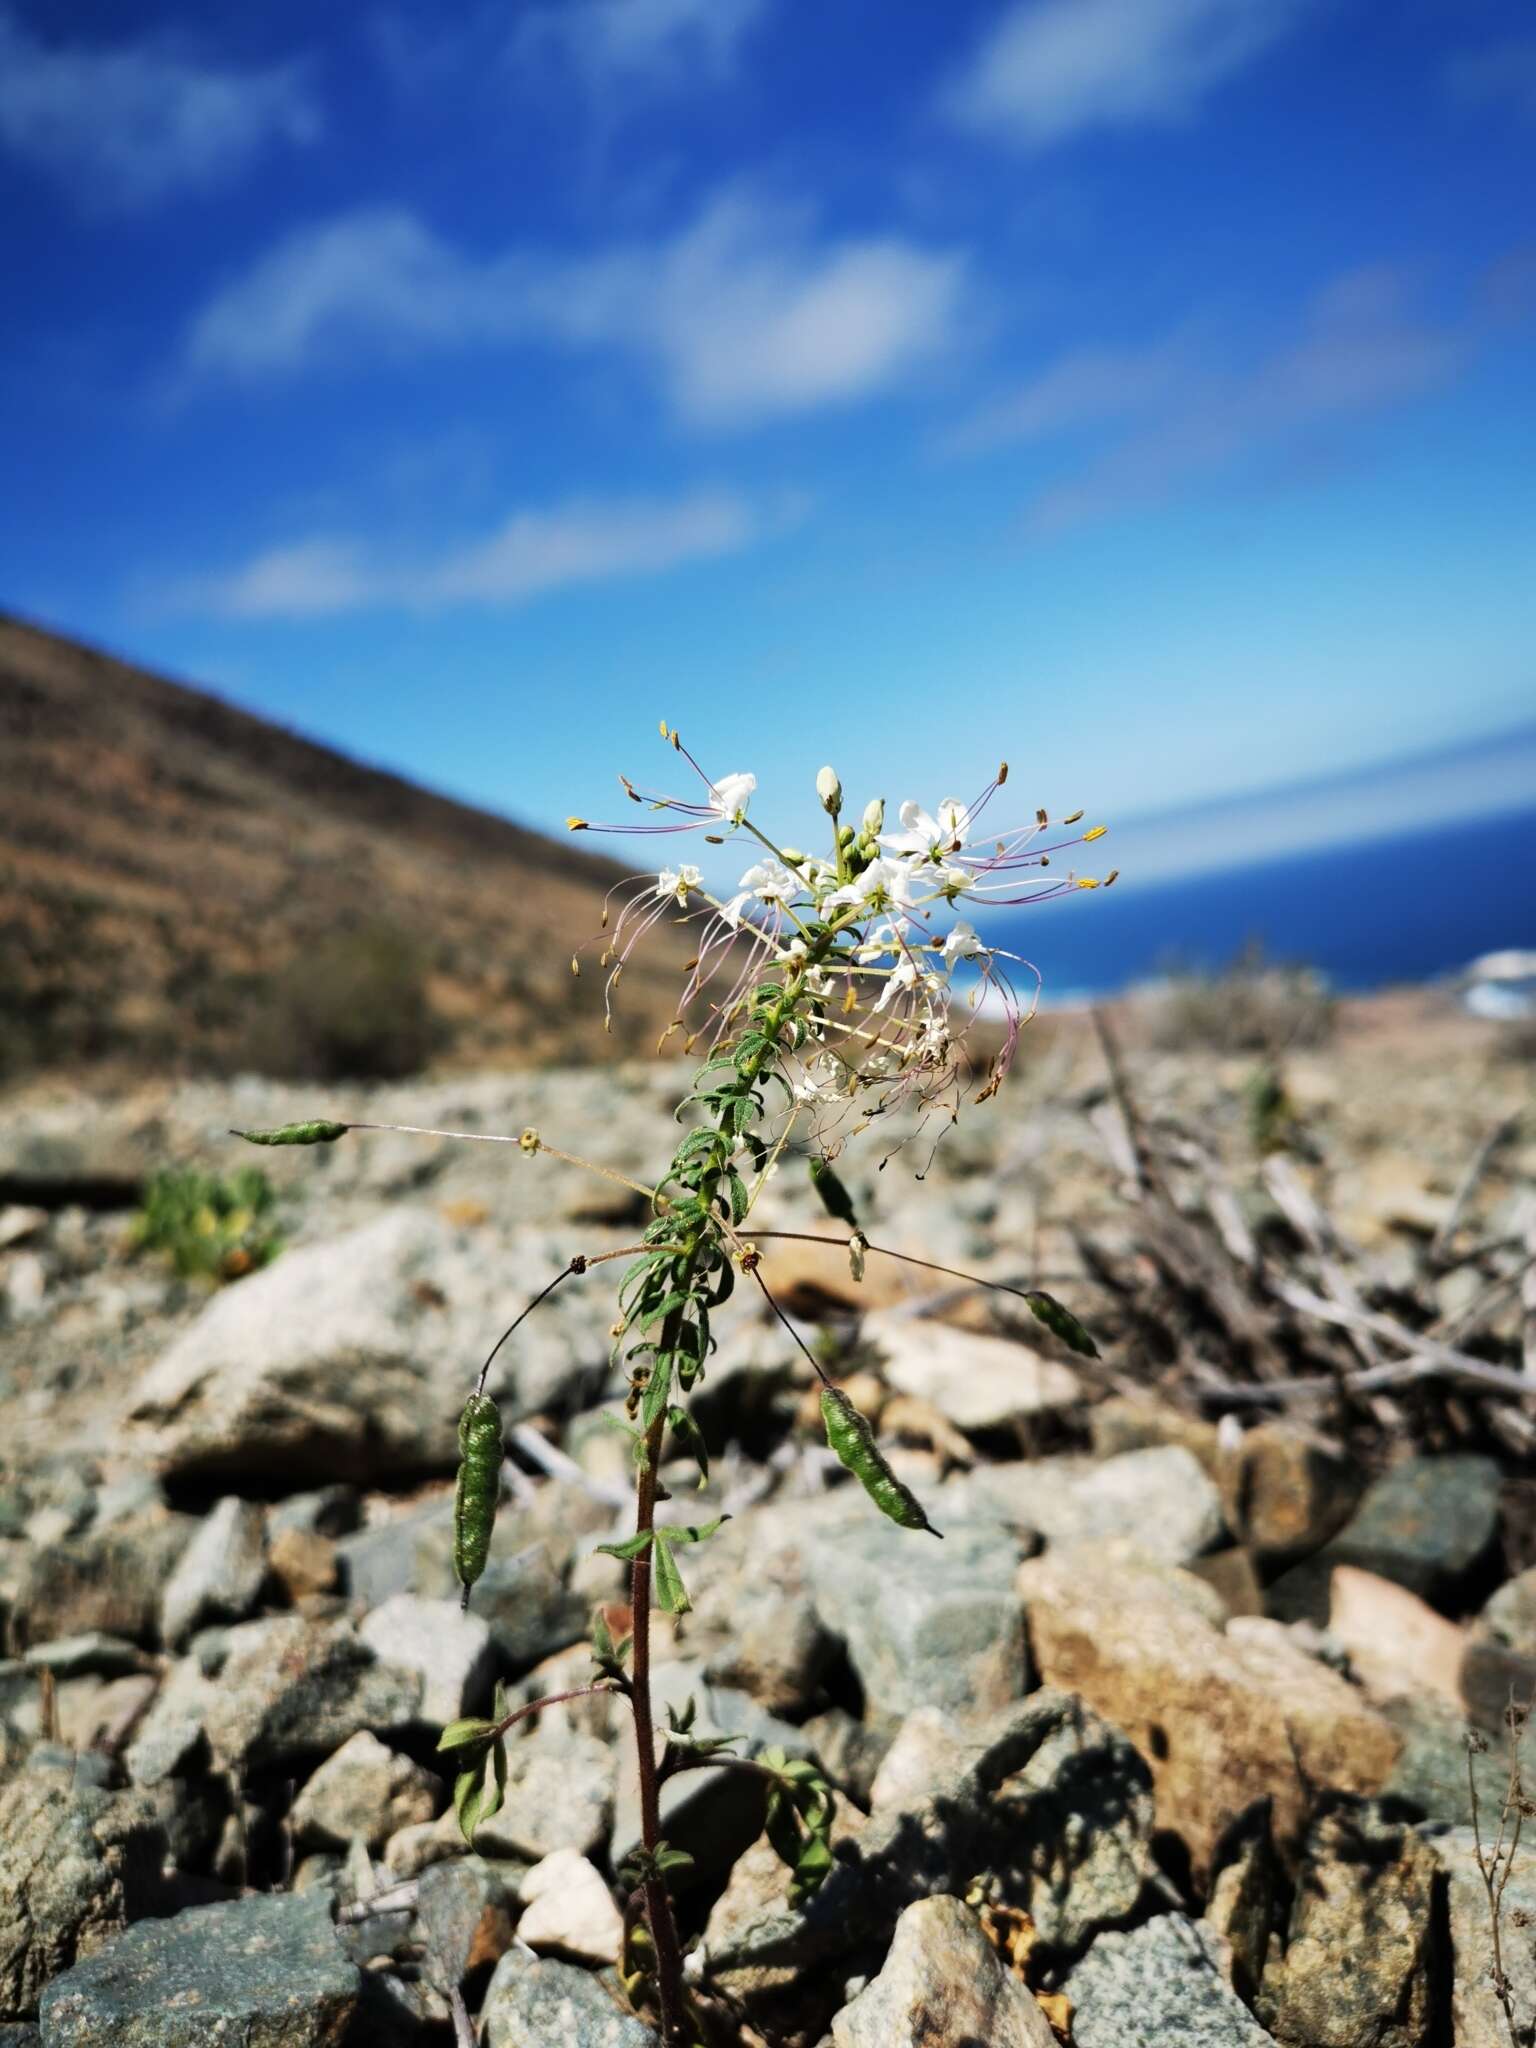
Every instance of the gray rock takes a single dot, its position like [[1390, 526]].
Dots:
[[381, 1560], [108, 1579], [560, 1794], [1358, 1968], [345, 1359], [362, 1793], [294, 1688], [1160, 1499], [76, 1864], [1429, 1524], [521, 1596], [170, 1740], [925, 1624], [333, 1511], [218, 1576], [568, 1910], [94, 1654], [451, 1651], [266, 1971], [1163, 1982], [942, 1986], [539, 1999], [975, 1381], [770, 1640], [463, 1918], [1500, 1654], [1477, 2020], [850, 1751], [1430, 1776]]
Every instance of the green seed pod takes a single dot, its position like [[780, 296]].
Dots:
[[316, 1132], [1061, 1321], [849, 1434], [474, 1500], [835, 1198]]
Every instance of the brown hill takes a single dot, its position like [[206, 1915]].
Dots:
[[186, 887]]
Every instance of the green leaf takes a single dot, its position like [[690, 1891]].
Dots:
[[664, 1307], [657, 1388], [460, 1734], [667, 1858], [678, 1532], [671, 1593], [478, 1793], [1061, 1322], [688, 1433], [631, 1548], [316, 1132], [739, 1202]]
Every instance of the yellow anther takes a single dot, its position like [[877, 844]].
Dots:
[[1087, 882], [530, 1141], [575, 824], [1095, 832]]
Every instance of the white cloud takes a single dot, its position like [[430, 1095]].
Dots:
[[1052, 69], [584, 541], [648, 42], [125, 124], [1181, 408], [743, 315], [1506, 71]]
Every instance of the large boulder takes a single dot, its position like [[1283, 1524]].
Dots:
[[266, 1971], [350, 1358], [77, 1863], [292, 1689], [1224, 1718], [1358, 1969]]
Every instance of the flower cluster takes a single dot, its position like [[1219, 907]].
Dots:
[[878, 914]]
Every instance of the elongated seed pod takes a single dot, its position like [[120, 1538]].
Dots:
[[835, 1198], [850, 1436], [474, 1500], [1048, 1310], [316, 1132]]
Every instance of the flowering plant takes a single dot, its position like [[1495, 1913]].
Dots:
[[831, 978]]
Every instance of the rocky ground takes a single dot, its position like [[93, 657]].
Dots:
[[1168, 1741]]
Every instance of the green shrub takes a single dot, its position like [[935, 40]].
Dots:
[[208, 1225]]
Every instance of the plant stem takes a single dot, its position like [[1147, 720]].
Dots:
[[658, 1905]]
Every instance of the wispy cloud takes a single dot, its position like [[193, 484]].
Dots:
[[533, 552], [652, 43], [743, 315], [1053, 69], [124, 124], [1181, 408], [1504, 72]]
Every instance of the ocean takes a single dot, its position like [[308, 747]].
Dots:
[[1409, 908]]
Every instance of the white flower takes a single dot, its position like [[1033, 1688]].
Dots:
[[925, 838], [769, 881], [830, 791], [961, 944], [884, 885], [729, 797], [678, 881]]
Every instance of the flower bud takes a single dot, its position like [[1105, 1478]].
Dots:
[[873, 823], [830, 790]]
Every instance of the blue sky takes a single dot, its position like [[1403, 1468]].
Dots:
[[1137, 389]]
